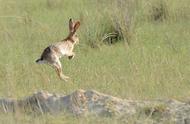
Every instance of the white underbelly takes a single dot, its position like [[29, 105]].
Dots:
[[64, 52]]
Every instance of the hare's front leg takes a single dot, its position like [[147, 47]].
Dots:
[[71, 55]]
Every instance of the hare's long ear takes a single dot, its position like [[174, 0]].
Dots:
[[76, 26], [70, 24]]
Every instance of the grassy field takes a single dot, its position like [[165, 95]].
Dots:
[[152, 61]]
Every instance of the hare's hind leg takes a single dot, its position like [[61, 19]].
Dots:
[[58, 68]]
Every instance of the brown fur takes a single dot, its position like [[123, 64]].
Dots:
[[54, 52]]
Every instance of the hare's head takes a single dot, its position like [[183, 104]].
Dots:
[[73, 26]]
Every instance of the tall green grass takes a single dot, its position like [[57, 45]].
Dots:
[[152, 60]]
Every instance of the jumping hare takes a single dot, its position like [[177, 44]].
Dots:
[[54, 52]]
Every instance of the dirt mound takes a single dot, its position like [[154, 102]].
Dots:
[[83, 102]]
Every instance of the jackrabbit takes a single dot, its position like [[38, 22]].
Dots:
[[54, 52]]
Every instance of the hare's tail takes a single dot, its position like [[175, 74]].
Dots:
[[39, 61]]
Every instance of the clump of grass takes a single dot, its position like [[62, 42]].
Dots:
[[112, 25], [111, 32], [52, 4], [123, 19], [159, 11], [156, 112]]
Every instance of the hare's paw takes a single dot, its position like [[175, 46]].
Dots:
[[65, 78], [71, 56]]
